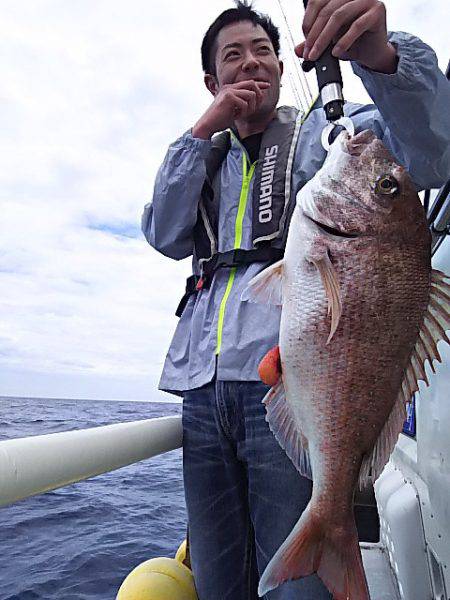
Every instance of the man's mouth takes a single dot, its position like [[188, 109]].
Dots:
[[259, 80]]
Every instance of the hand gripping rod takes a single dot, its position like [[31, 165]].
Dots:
[[329, 79]]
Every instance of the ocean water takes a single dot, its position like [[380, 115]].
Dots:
[[80, 542]]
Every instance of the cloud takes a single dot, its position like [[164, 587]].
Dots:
[[92, 94]]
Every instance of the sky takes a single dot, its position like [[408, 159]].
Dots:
[[92, 92]]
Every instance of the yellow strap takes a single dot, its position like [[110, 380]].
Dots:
[[246, 178], [243, 201], [222, 309]]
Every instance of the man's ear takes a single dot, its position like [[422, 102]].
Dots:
[[211, 83], [280, 62]]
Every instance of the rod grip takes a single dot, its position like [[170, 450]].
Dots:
[[328, 69], [329, 76], [327, 66]]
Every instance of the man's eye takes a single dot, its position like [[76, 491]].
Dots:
[[263, 50], [231, 54]]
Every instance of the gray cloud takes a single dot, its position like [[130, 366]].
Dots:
[[91, 95]]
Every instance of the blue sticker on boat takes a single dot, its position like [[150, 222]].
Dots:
[[409, 426]]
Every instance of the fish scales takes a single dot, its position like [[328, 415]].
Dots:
[[368, 355], [355, 287]]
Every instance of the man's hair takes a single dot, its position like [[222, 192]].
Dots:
[[242, 12]]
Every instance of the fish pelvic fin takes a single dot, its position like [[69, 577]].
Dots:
[[283, 425], [332, 290], [269, 369], [266, 287], [436, 323], [333, 554]]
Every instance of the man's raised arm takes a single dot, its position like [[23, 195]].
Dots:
[[401, 75], [168, 221], [415, 105]]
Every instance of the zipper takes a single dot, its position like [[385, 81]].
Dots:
[[246, 179], [247, 175]]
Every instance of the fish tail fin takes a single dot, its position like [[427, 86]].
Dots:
[[310, 548], [342, 571]]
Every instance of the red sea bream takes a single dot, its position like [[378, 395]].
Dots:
[[362, 312]]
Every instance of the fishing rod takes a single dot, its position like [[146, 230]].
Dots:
[[306, 95], [329, 79], [439, 213]]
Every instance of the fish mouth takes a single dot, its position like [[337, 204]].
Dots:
[[332, 230]]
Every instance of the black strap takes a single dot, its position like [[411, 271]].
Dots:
[[208, 218], [191, 288], [236, 258], [230, 259], [221, 143]]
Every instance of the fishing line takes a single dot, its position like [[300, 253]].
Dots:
[[300, 101], [307, 94], [297, 98]]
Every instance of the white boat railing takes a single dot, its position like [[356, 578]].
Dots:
[[33, 465]]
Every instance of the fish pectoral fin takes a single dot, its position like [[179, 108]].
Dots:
[[332, 290], [436, 322], [285, 429], [266, 287]]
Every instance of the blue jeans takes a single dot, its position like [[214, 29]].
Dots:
[[243, 494]]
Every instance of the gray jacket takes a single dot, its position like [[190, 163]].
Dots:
[[219, 334]]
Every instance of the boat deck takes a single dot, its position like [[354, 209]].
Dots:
[[381, 579]]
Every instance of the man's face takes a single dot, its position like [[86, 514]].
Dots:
[[244, 51]]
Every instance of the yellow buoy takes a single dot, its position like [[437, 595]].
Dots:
[[180, 556], [160, 579]]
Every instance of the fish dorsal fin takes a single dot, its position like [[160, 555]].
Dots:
[[436, 322], [332, 290], [285, 429], [266, 287]]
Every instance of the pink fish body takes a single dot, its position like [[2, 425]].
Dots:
[[362, 311]]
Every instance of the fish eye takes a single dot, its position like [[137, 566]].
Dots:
[[386, 185]]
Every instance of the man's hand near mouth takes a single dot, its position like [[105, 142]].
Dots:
[[233, 101]]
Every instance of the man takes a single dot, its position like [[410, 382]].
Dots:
[[228, 202]]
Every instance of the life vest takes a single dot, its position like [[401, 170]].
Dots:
[[272, 200]]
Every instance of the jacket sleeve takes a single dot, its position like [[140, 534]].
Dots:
[[168, 221], [414, 104]]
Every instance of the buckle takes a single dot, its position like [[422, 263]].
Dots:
[[235, 260]]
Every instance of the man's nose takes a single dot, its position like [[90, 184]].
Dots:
[[250, 62]]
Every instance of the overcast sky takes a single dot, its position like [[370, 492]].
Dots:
[[91, 94]]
